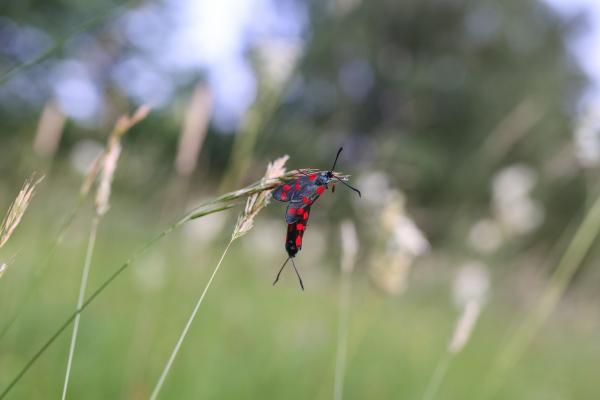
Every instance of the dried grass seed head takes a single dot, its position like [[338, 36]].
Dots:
[[108, 168], [108, 162], [259, 200], [17, 209], [464, 327]]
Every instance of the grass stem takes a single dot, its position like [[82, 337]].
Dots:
[[84, 279], [349, 241], [438, 376], [584, 237], [342, 336], [186, 328], [198, 212], [221, 203]]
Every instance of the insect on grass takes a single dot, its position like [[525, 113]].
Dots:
[[301, 193]]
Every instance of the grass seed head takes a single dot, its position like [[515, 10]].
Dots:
[[108, 168], [259, 200], [401, 243], [107, 164], [464, 327], [17, 209]]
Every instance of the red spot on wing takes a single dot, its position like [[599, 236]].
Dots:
[[305, 200], [312, 177], [286, 188], [300, 227], [297, 185], [291, 210], [283, 196], [298, 241], [305, 216], [320, 189], [300, 211]]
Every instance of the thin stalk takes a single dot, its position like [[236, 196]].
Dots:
[[584, 237], [254, 203], [206, 209], [349, 242], [186, 328], [342, 336], [40, 272], [84, 279], [354, 346], [221, 203], [438, 376], [462, 333]]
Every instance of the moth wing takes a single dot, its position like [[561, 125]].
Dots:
[[299, 207], [288, 191], [310, 192], [280, 194]]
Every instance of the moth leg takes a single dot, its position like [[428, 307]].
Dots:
[[297, 274], [281, 269]]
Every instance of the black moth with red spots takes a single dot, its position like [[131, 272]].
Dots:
[[301, 193]]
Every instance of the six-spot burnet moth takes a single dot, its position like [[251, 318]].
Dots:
[[301, 193]]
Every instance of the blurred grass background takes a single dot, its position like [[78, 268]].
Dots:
[[470, 128]]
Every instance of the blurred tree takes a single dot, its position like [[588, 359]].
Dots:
[[440, 94]]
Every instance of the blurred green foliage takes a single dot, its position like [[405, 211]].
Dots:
[[440, 96], [418, 89]]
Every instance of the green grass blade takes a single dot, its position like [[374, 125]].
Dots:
[[584, 238], [197, 213]]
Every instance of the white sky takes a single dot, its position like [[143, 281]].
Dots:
[[587, 46], [176, 41], [212, 37]]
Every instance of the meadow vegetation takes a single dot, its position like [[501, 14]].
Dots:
[[139, 239]]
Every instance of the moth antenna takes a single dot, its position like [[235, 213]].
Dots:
[[348, 185], [297, 274], [281, 269], [336, 158]]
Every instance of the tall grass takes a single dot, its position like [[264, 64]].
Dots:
[[56, 241], [221, 203], [107, 168], [460, 337], [584, 237], [349, 250], [188, 324], [81, 297], [254, 204]]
